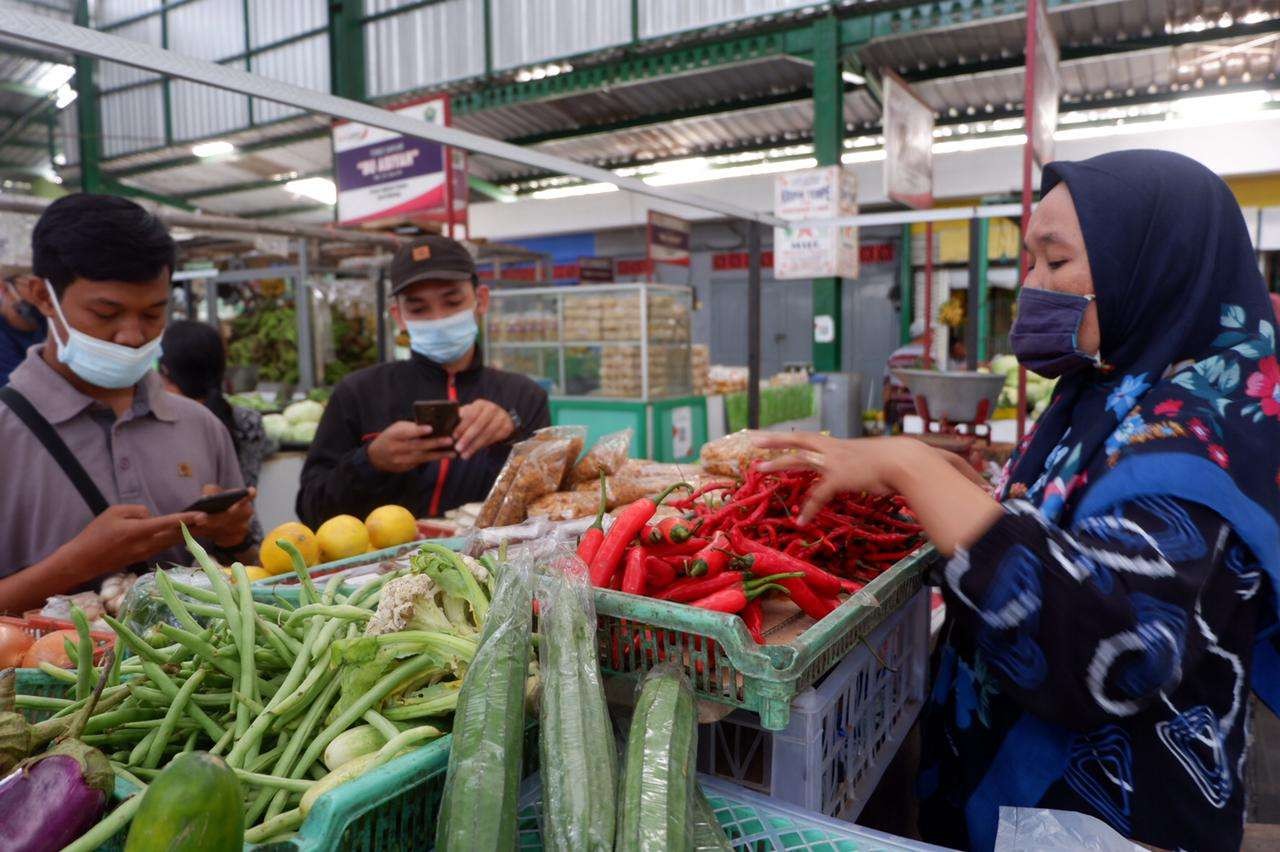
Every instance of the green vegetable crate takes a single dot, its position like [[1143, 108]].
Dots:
[[751, 822], [392, 807], [634, 634]]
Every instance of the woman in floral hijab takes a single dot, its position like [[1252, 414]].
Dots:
[[1108, 614]]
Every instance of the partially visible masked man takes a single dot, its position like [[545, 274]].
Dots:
[[368, 450], [21, 323]]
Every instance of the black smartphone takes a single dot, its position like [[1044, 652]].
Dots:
[[440, 414], [217, 503]]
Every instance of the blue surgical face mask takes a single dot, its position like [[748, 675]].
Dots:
[[100, 362], [1045, 336], [444, 340]]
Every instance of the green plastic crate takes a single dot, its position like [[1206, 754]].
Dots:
[[635, 634], [751, 822], [36, 682]]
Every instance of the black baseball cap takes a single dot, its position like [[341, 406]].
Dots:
[[430, 258]]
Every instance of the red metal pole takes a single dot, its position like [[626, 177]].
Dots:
[[1028, 157], [928, 295]]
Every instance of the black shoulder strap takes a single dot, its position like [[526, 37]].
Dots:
[[57, 448]]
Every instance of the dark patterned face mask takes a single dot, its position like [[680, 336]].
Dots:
[[1045, 336]]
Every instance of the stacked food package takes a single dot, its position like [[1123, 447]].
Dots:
[[536, 325], [700, 360]]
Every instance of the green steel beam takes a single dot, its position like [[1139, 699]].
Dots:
[[983, 308], [35, 54], [490, 189], [162, 9], [487, 10], [828, 131], [88, 114], [346, 49], [248, 54], [248, 148], [284, 211]]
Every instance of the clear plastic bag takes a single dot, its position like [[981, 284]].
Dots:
[[482, 788], [607, 456], [565, 505], [539, 474], [656, 794], [579, 756], [1044, 829], [732, 454]]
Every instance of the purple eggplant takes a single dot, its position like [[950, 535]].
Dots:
[[49, 800], [52, 799]]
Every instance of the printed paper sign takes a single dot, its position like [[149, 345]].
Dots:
[[908, 144]]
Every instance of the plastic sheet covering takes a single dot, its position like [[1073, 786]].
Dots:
[[482, 788], [708, 836], [656, 796], [607, 456], [579, 759], [1047, 830]]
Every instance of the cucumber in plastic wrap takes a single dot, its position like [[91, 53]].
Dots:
[[708, 836], [655, 798], [482, 789], [579, 755]]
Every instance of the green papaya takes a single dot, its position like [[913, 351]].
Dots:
[[194, 805]]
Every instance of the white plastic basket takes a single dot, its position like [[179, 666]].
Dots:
[[843, 731]]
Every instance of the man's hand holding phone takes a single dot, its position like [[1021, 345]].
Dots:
[[126, 534], [402, 446], [229, 527]]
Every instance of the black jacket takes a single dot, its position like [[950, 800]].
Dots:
[[338, 477]]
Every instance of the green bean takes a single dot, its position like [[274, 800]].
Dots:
[[175, 604], [267, 758], [170, 720], [170, 689], [279, 824], [222, 742], [57, 673], [250, 702], [114, 719], [113, 677], [317, 679], [368, 590], [201, 648], [212, 609], [308, 589], [350, 613], [142, 748], [381, 724], [291, 784], [136, 643], [108, 828], [190, 744], [40, 702], [283, 644], [286, 763], [292, 679], [84, 654], [247, 635], [207, 699]]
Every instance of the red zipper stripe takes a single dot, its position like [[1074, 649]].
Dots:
[[433, 510]]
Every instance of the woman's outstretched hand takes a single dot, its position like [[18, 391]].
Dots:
[[857, 465]]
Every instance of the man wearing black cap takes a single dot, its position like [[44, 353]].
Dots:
[[369, 452]]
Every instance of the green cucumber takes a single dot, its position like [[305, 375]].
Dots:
[[194, 804], [708, 836], [655, 799], [579, 757], [482, 788]]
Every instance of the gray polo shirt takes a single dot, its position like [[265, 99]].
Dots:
[[158, 455]]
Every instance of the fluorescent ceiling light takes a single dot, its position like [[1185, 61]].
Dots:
[[59, 159], [316, 188], [55, 78], [1222, 107], [571, 191], [850, 77], [66, 96], [217, 148]]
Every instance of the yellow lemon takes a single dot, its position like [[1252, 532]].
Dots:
[[253, 572], [273, 558], [342, 536], [390, 525]]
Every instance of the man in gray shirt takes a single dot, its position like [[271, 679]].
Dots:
[[133, 457]]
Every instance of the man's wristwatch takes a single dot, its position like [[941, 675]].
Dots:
[[517, 423]]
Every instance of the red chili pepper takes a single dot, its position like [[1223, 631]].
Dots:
[[712, 559], [766, 560], [687, 548], [703, 491], [753, 616], [850, 586], [625, 527], [692, 588], [633, 575], [658, 574], [589, 546], [735, 598], [671, 531], [810, 603]]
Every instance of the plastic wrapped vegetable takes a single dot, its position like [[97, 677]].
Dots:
[[482, 789], [708, 836], [579, 761], [607, 456], [655, 807]]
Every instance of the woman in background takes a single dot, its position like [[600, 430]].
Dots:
[[193, 362]]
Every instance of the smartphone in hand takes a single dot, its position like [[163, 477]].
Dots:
[[214, 504], [440, 414]]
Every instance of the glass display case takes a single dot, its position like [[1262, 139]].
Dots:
[[611, 341]]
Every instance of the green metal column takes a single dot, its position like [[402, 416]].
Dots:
[[828, 142], [906, 288], [88, 115], [983, 318], [346, 49]]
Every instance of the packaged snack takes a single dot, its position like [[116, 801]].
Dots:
[[607, 456]]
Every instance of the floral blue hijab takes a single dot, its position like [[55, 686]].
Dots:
[[1188, 404]]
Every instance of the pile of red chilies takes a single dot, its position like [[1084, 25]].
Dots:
[[724, 553]]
